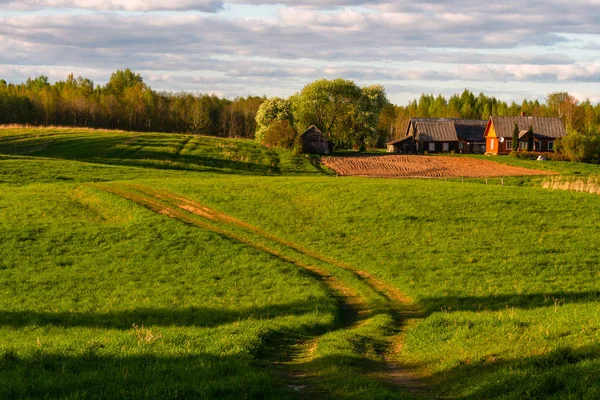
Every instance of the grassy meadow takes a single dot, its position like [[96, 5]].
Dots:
[[177, 266]]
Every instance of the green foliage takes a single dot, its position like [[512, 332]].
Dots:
[[534, 155], [326, 104], [579, 147], [125, 102], [347, 114], [271, 111], [515, 138], [122, 80], [280, 133]]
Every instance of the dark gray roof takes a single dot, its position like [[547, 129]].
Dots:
[[312, 130], [400, 140], [471, 130], [449, 129], [549, 127], [432, 130]]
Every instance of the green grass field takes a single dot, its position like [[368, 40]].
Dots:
[[175, 266]]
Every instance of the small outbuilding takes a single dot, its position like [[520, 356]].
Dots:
[[404, 145], [315, 142]]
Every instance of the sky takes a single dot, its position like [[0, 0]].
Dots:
[[510, 49]]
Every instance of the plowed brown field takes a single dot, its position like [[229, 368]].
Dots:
[[402, 166]]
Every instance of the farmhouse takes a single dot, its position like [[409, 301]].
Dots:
[[315, 142], [499, 133], [441, 135], [471, 135]]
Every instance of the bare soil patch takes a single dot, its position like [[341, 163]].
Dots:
[[412, 166]]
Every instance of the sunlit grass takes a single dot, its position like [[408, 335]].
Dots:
[[507, 278]]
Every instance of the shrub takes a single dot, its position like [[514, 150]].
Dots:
[[533, 155], [280, 134], [578, 147]]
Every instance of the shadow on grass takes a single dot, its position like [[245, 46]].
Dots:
[[193, 316], [502, 302], [148, 152], [148, 376], [564, 373]]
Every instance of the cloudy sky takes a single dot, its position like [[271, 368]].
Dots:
[[510, 49]]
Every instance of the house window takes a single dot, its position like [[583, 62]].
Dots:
[[431, 146], [537, 146], [551, 146], [446, 147], [523, 145], [492, 144], [461, 146], [509, 145]]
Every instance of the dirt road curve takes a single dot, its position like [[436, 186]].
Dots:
[[400, 166]]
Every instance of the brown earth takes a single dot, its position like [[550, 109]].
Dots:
[[412, 166]]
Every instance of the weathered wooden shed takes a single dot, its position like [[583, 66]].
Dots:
[[403, 145], [315, 142]]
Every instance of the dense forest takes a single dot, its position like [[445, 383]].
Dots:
[[127, 103]]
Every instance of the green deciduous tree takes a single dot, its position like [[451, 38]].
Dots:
[[270, 111], [345, 113], [326, 104], [280, 133]]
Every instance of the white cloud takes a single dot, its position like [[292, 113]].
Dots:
[[401, 43], [113, 5]]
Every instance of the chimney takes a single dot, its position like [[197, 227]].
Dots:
[[523, 114]]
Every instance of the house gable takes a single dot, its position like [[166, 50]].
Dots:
[[490, 130]]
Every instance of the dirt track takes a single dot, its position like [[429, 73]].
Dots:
[[402, 166]]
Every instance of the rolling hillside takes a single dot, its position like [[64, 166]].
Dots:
[[174, 266]]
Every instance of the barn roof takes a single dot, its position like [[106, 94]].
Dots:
[[449, 129], [549, 127], [400, 140], [471, 130], [435, 130], [312, 130]]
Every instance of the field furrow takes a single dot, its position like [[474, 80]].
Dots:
[[395, 166]]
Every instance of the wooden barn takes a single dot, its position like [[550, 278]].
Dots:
[[441, 135], [403, 145], [471, 135], [315, 142], [499, 133]]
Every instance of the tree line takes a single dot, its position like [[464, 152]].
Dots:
[[126, 103], [582, 117], [349, 115]]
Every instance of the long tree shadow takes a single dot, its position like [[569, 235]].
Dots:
[[94, 375], [155, 153], [192, 316], [560, 374], [502, 302]]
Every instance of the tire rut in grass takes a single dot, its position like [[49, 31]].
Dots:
[[354, 309]]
